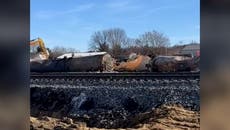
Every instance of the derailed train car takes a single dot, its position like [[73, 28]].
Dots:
[[174, 64], [74, 62], [159, 64], [136, 63], [101, 61]]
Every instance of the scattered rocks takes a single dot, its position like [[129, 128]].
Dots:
[[67, 120], [130, 104], [109, 103], [45, 118]]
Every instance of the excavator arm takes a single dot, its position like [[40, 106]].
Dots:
[[40, 48]]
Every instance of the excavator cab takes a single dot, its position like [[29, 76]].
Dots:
[[38, 50]]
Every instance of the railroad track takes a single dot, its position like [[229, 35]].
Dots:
[[95, 75]]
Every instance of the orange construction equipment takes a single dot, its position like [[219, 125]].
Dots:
[[38, 50]]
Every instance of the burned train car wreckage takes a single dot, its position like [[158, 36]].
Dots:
[[103, 62], [72, 62], [174, 63], [40, 61]]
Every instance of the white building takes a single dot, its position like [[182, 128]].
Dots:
[[191, 49]]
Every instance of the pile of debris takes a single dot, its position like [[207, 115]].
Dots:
[[158, 63], [165, 117], [134, 63]]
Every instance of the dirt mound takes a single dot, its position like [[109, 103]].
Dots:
[[166, 117]]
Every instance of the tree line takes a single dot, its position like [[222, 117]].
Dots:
[[59, 50], [117, 43]]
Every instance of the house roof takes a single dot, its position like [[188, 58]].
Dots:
[[191, 47]]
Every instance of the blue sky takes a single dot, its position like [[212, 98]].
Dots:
[[70, 23]]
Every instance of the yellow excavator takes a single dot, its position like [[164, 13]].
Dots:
[[38, 50]]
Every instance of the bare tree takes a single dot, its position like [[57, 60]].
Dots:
[[117, 39], [129, 43], [110, 40], [156, 40], [70, 50], [99, 41], [58, 50]]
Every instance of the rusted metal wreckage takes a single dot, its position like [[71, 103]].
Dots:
[[40, 60], [174, 63], [74, 62], [102, 61], [160, 64], [139, 63]]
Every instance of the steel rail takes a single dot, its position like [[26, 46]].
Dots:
[[115, 75]]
